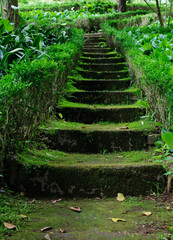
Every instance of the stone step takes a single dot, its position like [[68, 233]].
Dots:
[[94, 39], [96, 114], [85, 139], [53, 173], [101, 97], [105, 60], [103, 74], [94, 45], [99, 55], [104, 66], [102, 84], [96, 50]]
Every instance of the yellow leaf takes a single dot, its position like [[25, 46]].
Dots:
[[120, 197], [147, 213], [23, 216], [118, 220], [9, 226]]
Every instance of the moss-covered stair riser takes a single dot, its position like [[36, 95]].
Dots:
[[104, 74], [99, 50], [88, 181], [85, 141], [99, 55], [99, 97], [101, 84], [101, 60], [89, 116], [103, 67]]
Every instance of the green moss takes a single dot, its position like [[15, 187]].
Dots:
[[94, 220], [143, 125], [65, 103], [57, 158]]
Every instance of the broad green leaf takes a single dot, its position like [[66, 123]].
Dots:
[[168, 139], [147, 46]]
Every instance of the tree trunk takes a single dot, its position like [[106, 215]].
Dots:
[[9, 12], [122, 6], [159, 13]]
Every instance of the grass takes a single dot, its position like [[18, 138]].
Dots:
[[142, 125], [94, 221], [11, 207], [57, 158], [66, 103]]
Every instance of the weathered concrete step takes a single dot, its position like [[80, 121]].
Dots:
[[99, 55], [99, 97], [102, 84], [104, 74], [94, 39], [103, 66], [98, 114], [98, 141], [96, 50], [102, 60], [77, 180]]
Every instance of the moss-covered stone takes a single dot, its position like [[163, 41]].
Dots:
[[102, 85], [104, 74], [88, 115], [85, 181], [103, 66], [103, 97]]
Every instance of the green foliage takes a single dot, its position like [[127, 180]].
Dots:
[[11, 207], [149, 51], [30, 90]]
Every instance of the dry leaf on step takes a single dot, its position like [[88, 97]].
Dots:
[[120, 197], [76, 209], [57, 200], [62, 230], [147, 213], [124, 127], [45, 229], [31, 202], [118, 220], [9, 226], [47, 237], [23, 216]]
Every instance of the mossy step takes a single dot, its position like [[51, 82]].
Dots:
[[103, 66], [103, 74], [75, 175], [94, 115], [102, 60], [96, 50], [94, 45], [96, 138], [99, 55], [102, 84], [101, 97], [49, 173], [94, 39]]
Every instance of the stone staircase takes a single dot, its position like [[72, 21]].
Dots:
[[101, 119]]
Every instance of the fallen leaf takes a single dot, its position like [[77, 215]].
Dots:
[[97, 198], [45, 229], [147, 213], [125, 212], [23, 216], [168, 208], [47, 237], [62, 230], [22, 194], [9, 226], [57, 200], [76, 209], [31, 202], [83, 127], [120, 197], [49, 155], [124, 127], [118, 220]]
